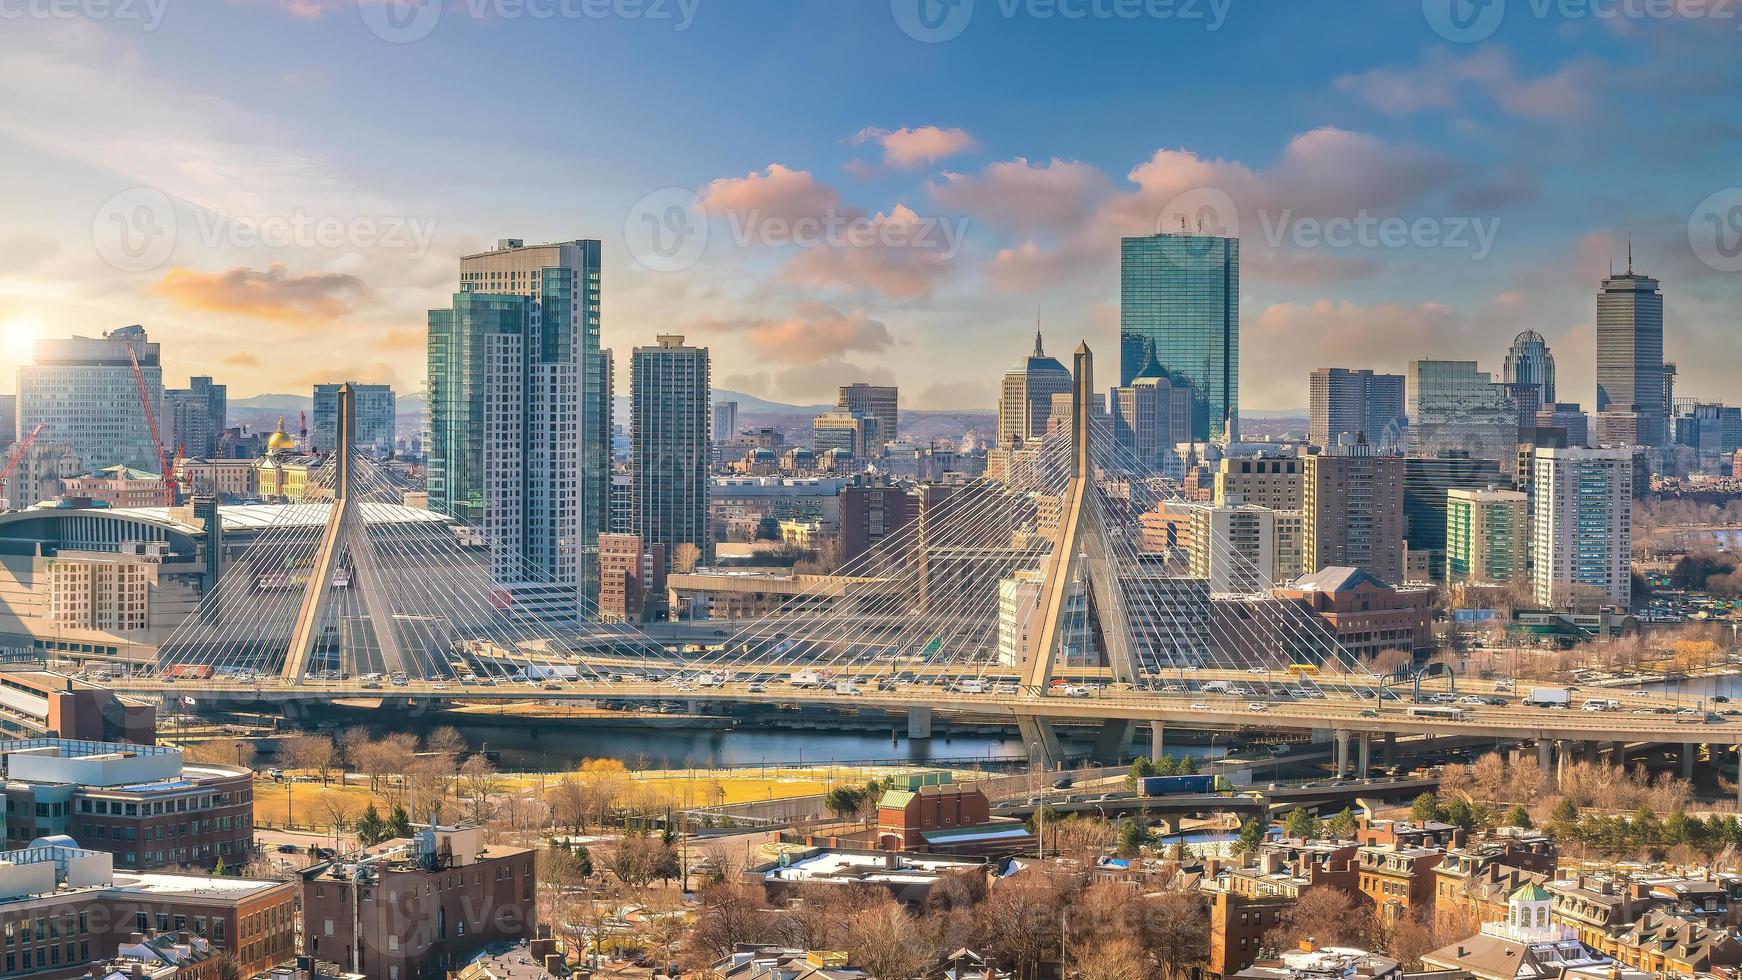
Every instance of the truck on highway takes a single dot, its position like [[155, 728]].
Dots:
[[807, 678], [1549, 697], [551, 672], [1199, 784]]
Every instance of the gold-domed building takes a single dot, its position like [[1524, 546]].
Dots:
[[280, 440]]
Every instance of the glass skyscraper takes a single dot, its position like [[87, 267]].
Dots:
[[1630, 370], [520, 414], [1180, 293]]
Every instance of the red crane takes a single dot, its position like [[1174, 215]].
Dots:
[[163, 463], [18, 456]]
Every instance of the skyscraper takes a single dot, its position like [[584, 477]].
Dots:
[[84, 391], [1455, 408], [1151, 415], [1352, 511], [1487, 536], [1179, 295], [520, 409], [1025, 399], [873, 401], [1426, 481], [198, 415], [1528, 362], [725, 421], [1345, 400], [1581, 517], [669, 446], [1630, 369], [376, 421]]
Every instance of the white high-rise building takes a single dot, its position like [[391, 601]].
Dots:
[[376, 419], [1582, 520], [1243, 548], [84, 391], [1019, 621]]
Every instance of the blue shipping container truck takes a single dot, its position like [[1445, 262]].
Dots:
[[1182, 785]]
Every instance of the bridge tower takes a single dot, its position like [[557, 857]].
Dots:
[[345, 533], [1081, 552]]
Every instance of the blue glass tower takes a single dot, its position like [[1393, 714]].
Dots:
[[1180, 294]]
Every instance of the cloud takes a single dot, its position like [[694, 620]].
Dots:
[[775, 192], [810, 384], [241, 359], [1020, 196], [948, 395], [271, 293], [1339, 333], [902, 256], [814, 333], [905, 149], [1442, 79]]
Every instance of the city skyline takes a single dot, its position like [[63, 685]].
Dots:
[[976, 219]]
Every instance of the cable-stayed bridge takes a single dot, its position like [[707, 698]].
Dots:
[[1036, 597]]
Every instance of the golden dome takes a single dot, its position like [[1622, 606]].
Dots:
[[280, 439]]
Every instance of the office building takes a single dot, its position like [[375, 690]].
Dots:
[[1352, 506], [1567, 416], [1151, 415], [725, 421], [1179, 296], [1630, 370], [877, 526], [142, 804], [1243, 548], [198, 415], [85, 394], [1345, 401], [1019, 622], [1266, 481], [1487, 536], [41, 473], [1367, 615], [631, 579], [1025, 397], [877, 402], [1581, 522], [414, 909], [1529, 362], [520, 416], [669, 445], [8, 419], [376, 418], [1453, 407], [117, 486], [1426, 480], [854, 435], [65, 910]]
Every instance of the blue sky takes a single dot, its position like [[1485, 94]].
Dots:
[[959, 187]]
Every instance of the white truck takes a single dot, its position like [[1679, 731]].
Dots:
[[847, 688], [807, 678], [710, 680], [1549, 697]]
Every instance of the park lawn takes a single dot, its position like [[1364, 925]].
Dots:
[[304, 803], [695, 788]]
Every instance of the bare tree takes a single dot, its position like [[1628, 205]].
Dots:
[[338, 809]]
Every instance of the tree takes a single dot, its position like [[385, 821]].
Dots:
[[220, 868], [371, 829], [684, 558], [479, 785], [1018, 923], [1131, 838], [1252, 834], [1324, 914], [844, 801], [337, 808], [1518, 816], [1425, 808], [308, 752], [1174, 930], [887, 943], [1301, 824], [1343, 826], [398, 823]]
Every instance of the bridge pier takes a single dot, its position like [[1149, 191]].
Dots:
[[1156, 732], [1042, 741], [1594, 752], [919, 722], [1366, 756], [1114, 739], [1545, 755], [1342, 756], [1688, 751], [1390, 754], [1618, 754]]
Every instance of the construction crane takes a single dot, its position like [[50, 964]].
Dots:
[[18, 457], [163, 462]]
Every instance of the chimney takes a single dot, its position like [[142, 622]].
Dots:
[[1270, 862]]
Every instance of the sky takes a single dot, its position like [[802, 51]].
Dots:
[[893, 191]]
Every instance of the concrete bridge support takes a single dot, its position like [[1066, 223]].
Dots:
[[1593, 752], [1157, 731], [1041, 740], [1342, 756], [1114, 739], [919, 722], [1545, 755], [1618, 754], [1390, 754], [1688, 751], [1366, 756]]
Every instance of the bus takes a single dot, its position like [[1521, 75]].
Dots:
[[1304, 670], [1444, 712]]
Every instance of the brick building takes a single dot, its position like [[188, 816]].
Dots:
[[64, 909], [140, 803], [426, 905], [1367, 615], [1398, 877]]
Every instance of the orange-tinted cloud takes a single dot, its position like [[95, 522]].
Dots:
[[814, 333], [271, 293], [775, 192], [907, 148]]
